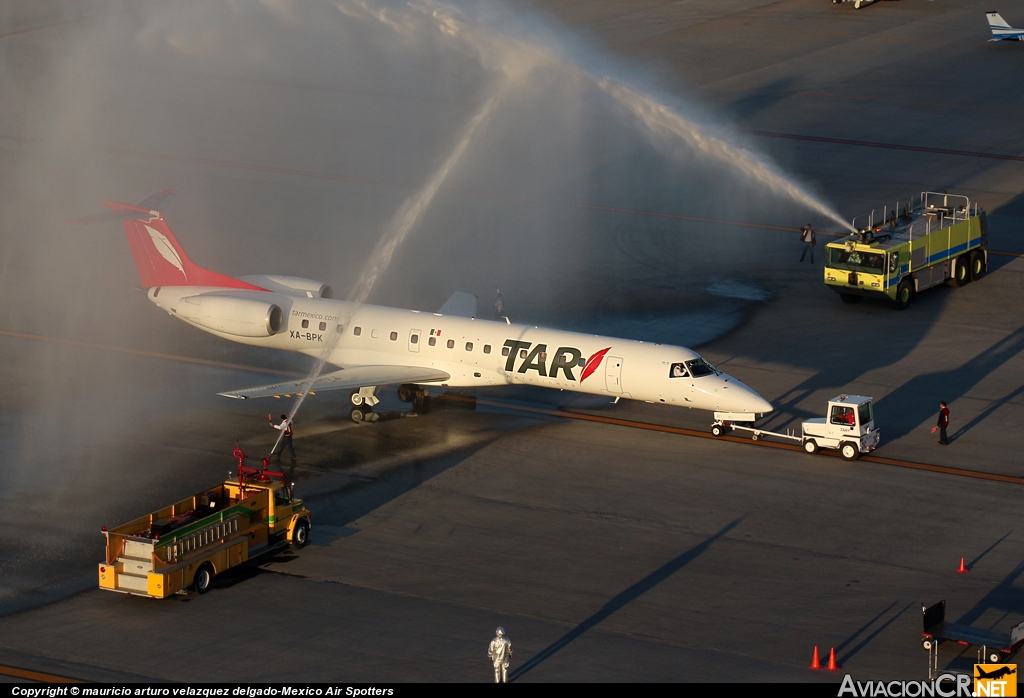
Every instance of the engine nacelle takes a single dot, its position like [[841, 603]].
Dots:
[[289, 285], [242, 317]]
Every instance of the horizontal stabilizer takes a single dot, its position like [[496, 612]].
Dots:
[[460, 304], [149, 203], [345, 379]]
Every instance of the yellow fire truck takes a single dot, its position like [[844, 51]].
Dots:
[[910, 249], [186, 544]]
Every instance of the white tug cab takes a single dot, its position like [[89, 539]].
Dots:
[[849, 426]]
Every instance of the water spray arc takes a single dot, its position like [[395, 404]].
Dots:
[[399, 227]]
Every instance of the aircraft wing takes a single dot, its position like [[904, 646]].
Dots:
[[345, 379], [461, 304]]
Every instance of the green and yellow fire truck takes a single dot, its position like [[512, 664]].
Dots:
[[184, 545], [943, 237]]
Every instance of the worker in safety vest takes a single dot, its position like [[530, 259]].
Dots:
[[807, 237], [943, 422], [500, 652], [286, 439]]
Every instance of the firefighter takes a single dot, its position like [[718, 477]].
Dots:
[[500, 652], [943, 422], [286, 440], [807, 237]]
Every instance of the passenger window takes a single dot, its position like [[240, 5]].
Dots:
[[340, 329], [357, 331], [375, 333], [677, 371], [451, 343], [394, 336], [582, 362], [504, 351], [522, 353], [305, 324], [323, 326], [469, 346], [414, 339], [543, 357], [432, 341], [487, 348], [843, 415]]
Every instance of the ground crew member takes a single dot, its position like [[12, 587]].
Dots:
[[500, 652], [807, 237], [286, 440], [942, 423]]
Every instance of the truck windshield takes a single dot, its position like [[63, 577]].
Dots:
[[869, 262], [864, 412], [699, 367]]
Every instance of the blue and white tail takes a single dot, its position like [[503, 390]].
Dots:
[[1001, 30]]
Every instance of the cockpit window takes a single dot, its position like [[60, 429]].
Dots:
[[699, 367], [677, 371]]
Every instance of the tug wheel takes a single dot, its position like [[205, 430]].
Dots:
[[203, 578], [977, 265], [962, 273], [717, 429], [849, 450], [811, 446]]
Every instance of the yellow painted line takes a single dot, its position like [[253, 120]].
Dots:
[[36, 675], [148, 354], [583, 416], [717, 25]]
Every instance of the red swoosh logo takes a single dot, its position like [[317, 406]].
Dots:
[[593, 362]]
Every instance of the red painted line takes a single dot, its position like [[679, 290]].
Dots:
[[37, 675]]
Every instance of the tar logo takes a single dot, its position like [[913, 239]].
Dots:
[[994, 680], [564, 360]]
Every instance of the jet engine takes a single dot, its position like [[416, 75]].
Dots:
[[289, 285], [242, 317]]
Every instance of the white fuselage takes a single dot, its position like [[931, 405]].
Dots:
[[477, 353]]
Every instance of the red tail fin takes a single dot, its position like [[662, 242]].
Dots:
[[159, 257]]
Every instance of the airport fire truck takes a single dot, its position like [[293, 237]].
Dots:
[[910, 249], [848, 426], [186, 544]]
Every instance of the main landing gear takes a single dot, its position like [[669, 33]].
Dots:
[[415, 395]]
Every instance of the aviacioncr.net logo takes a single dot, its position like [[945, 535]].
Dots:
[[945, 686]]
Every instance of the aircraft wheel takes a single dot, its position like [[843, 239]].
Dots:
[[904, 294], [962, 273], [358, 414], [357, 399], [717, 429], [203, 579], [406, 393], [977, 265], [849, 450], [851, 298], [421, 403], [811, 446]]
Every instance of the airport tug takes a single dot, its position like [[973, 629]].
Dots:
[[849, 426], [186, 544], [912, 248]]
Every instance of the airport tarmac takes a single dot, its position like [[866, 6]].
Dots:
[[608, 553]]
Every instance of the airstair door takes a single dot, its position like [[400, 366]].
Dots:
[[613, 374], [414, 340]]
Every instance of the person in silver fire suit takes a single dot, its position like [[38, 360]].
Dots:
[[500, 652]]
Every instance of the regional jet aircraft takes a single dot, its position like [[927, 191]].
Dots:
[[1001, 31], [374, 346]]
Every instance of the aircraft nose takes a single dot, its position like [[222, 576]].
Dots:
[[746, 400]]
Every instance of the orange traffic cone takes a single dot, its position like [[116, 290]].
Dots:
[[815, 660], [832, 666], [963, 567]]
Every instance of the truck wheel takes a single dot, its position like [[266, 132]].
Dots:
[[300, 536], [849, 450], [811, 446], [717, 429], [927, 643], [977, 265], [203, 578], [851, 298], [962, 272], [904, 294], [994, 657]]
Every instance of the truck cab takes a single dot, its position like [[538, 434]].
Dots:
[[849, 425]]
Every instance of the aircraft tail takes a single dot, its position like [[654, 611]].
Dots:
[[996, 21], [159, 257]]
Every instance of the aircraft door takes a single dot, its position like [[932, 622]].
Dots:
[[414, 340], [613, 374]]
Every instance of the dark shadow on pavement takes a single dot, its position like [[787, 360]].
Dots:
[[864, 643], [622, 599]]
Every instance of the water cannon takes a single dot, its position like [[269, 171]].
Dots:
[[872, 234]]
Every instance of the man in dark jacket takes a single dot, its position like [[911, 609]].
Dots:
[[943, 422], [807, 237]]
